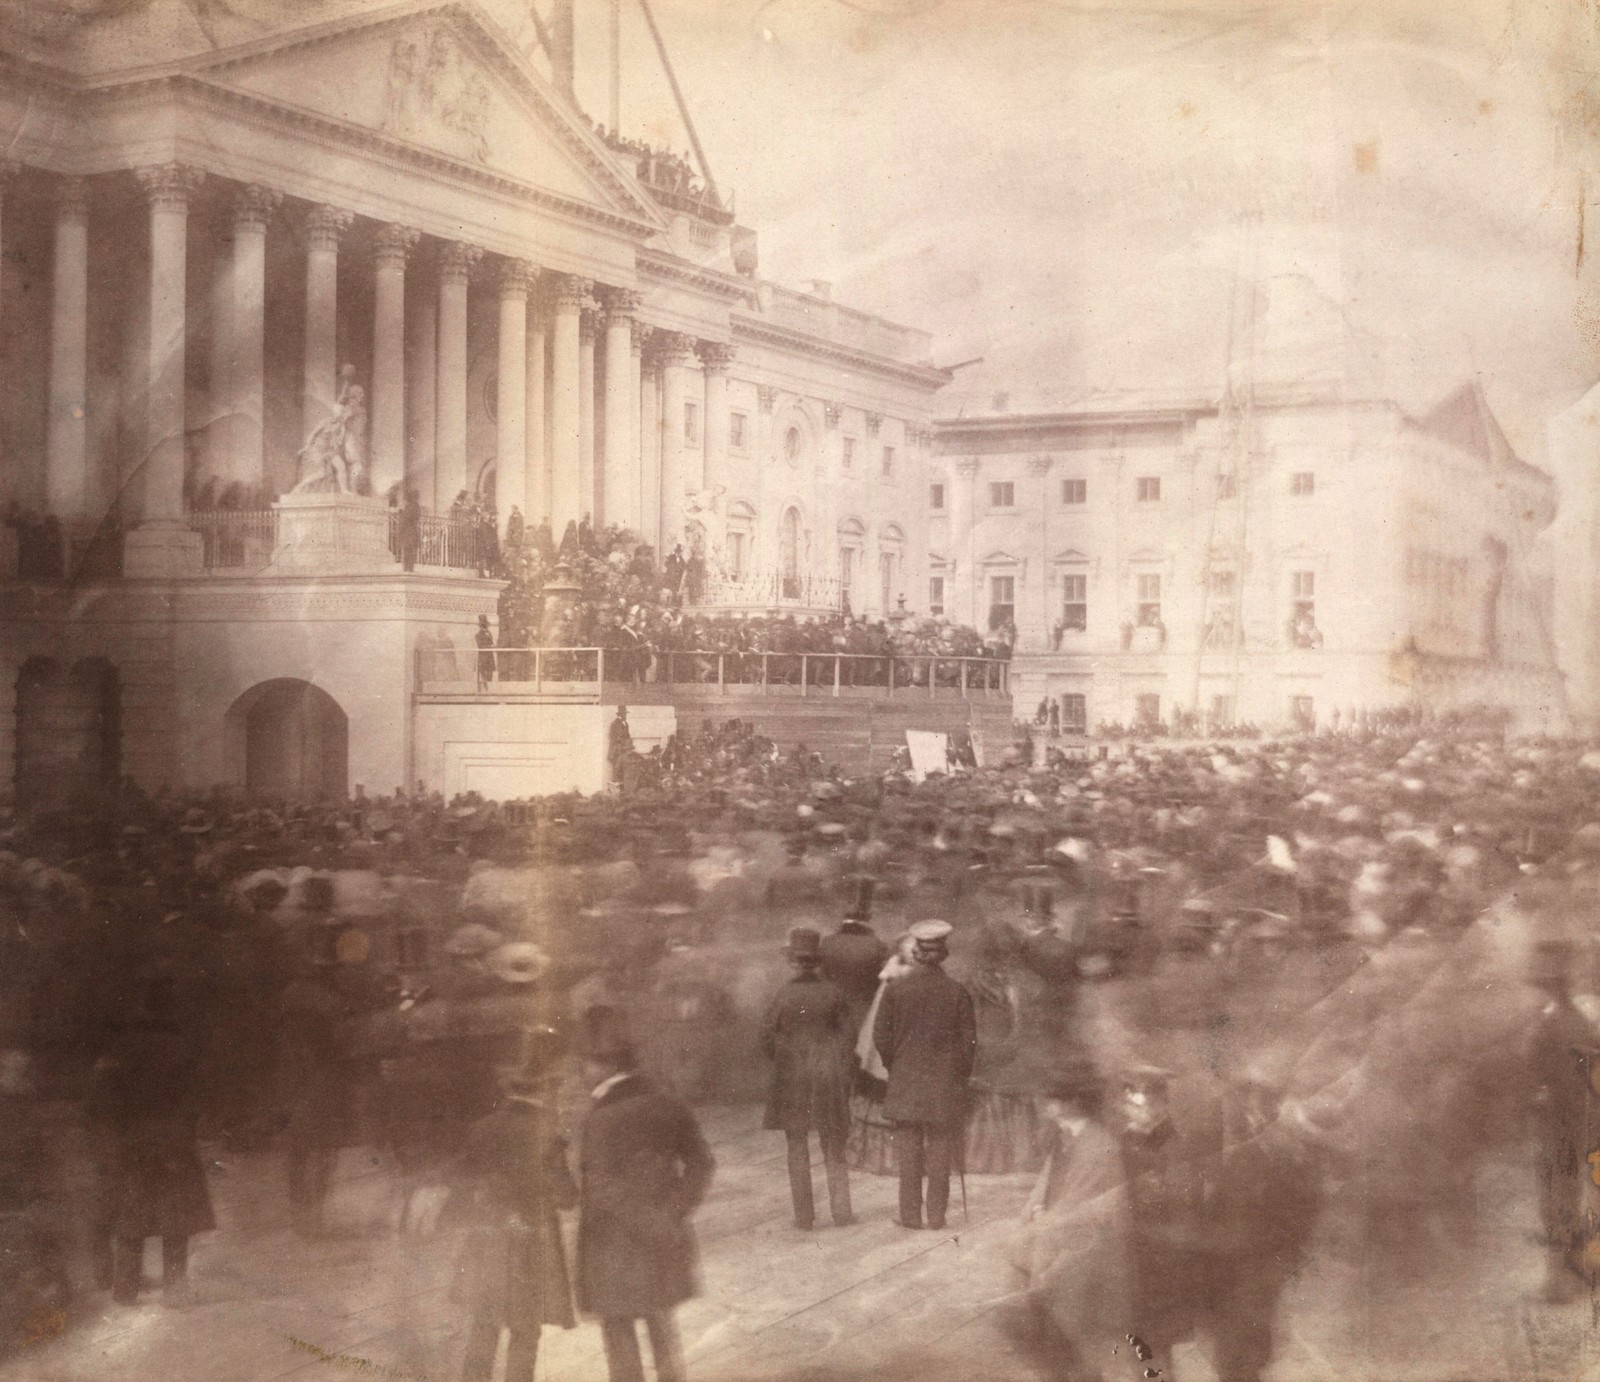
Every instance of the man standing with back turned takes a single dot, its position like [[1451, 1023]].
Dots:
[[927, 1035]]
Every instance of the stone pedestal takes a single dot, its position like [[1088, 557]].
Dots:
[[332, 534], [162, 550]]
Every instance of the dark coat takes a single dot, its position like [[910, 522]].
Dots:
[[645, 1167], [146, 1091], [809, 1035], [513, 1265], [852, 957], [316, 1073], [927, 1034]]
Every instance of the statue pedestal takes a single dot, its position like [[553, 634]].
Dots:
[[332, 534]]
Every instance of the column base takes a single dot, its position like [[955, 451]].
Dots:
[[161, 550]]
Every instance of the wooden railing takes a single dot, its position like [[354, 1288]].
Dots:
[[492, 671]]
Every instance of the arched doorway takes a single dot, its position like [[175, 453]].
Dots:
[[290, 740], [69, 729]]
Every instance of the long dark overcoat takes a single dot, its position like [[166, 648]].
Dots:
[[927, 1034], [852, 957], [644, 1168], [809, 1035], [146, 1090], [513, 1265]]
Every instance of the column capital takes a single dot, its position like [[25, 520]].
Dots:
[[324, 226], [516, 277], [170, 184], [766, 397], [72, 199], [393, 243], [588, 320], [716, 356], [457, 261], [832, 412], [568, 292], [675, 348], [620, 304], [643, 333], [1040, 465], [253, 206], [967, 466]]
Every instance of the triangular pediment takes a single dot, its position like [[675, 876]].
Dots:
[[1000, 557], [439, 80], [1071, 556]]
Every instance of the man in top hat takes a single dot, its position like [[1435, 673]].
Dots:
[[619, 744], [854, 954], [645, 1167], [927, 1036], [808, 1033]]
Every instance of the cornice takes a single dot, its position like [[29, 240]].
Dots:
[[927, 377], [653, 263]]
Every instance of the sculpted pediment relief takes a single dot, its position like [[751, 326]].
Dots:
[[437, 82]]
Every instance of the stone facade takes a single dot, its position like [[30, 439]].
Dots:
[[1277, 562]]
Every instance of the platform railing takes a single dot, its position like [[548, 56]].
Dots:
[[495, 671], [235, 538]]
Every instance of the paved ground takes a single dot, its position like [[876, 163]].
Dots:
[[870, 1301]]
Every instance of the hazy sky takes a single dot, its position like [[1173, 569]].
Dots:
[[1085, 194]]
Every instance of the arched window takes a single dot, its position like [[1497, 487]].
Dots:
[[794, 443]]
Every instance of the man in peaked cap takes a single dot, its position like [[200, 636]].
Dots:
[[808, 1033], [927, 1036]]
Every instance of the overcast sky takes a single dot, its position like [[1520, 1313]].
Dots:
[[1086, 194]]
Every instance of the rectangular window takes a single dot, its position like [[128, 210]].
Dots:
[[1147, 709], [847, 571], [1303, 712], [1303, 482], [1074, 491], [1074, 602], [1148, 489], [935, 496], [936, 595], [1002, 601], [691, 423], [736, 430], [1149, 587], [736, 554], [1002, 494], [849, 452], [1303, 632], [1221, 713], [888, 463], [1075, 713], [1227, 486], [886, 581]]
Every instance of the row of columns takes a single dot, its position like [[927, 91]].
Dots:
[[548, 418]]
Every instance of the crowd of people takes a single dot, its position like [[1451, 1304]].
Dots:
[[1214, 996], [657, 167]]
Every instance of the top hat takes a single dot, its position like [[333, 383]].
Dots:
[[861, 899], [804, 944]]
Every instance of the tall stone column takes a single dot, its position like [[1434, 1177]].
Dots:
[[963, 475], [319, 385], [67, 487], [716, 356], [1034, 617], [568, 294], [588, 481], [680, 469], [422, 390], [649, 433], [168, 188], [622, 486], [538, 455], [456, 262], [252, 209], [11, 491], [511, 410], [217, 423], [388, 452]]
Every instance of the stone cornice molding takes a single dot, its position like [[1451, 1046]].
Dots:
[[568, 292], [924, 377], [457, 261], [170, 185], [324, 225], [72, 199], [253, 207], [716, 356], [393, 243], [657, 264], [516, 277]]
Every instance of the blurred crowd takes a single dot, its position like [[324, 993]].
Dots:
[[1327, 956]]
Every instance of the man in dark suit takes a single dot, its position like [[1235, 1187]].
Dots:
[[644, 1169], [927, 1035], [853, 956]]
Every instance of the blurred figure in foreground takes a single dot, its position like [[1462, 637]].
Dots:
[[645, 1169]]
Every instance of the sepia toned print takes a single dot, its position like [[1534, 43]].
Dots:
[[621, 613]]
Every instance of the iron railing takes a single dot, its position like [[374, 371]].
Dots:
[[243, 539], [235, 538], [803, 674], [769, 588]]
